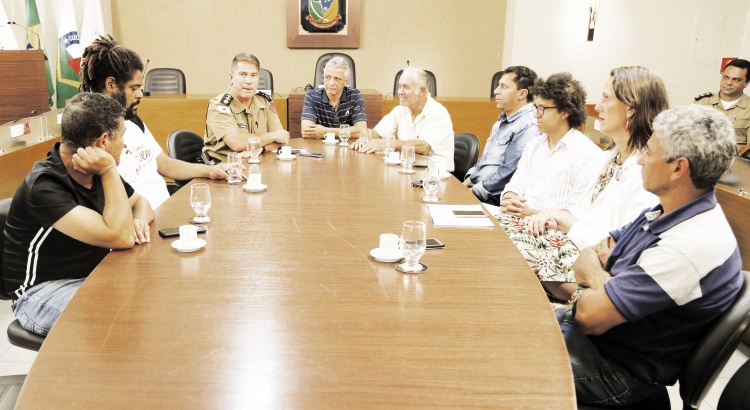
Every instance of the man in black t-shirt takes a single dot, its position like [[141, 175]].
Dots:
[[70, 210]]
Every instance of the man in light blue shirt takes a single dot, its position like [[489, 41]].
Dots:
[[515, 127]]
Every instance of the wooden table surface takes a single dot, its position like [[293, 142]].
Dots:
[[285, 308]]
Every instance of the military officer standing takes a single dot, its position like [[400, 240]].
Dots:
[[241, 113], [731, 99]]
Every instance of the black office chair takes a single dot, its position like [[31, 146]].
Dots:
[[736, 394], [495, 79], [165, 81], [265, 80], [465, 154], [17, 335], [186, 146], [321, 64], [10, 387], [708, 357], [432, 87]]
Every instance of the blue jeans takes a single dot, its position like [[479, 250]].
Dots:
[[598, 380], [39, 307]]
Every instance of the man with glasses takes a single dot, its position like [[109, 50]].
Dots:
[[325, 109], [515, 127], [731, 99]]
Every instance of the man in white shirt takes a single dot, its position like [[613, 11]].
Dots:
[[117, 71], [419, 121], [556, 167]]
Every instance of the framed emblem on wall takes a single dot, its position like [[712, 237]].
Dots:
[[323, 23]]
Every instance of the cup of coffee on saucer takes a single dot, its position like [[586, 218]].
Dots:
[[285, 153], [394, 158], [188, 241], [253, 183], [388, 251], [330, 138]]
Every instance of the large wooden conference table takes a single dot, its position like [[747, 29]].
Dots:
[[285, 308]]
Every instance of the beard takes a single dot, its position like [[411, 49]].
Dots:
[[130, 112]]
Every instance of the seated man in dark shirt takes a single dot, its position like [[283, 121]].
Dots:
[[652, 289], [70, 210], [325, 109]]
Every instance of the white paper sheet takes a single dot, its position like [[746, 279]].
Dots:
[[442, 215]]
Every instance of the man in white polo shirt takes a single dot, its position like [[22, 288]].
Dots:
[[418, 120]]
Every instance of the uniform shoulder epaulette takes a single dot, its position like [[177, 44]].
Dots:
[[226, 99], [702, 96], [264, 95]]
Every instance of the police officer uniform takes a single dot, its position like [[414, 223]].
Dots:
[[226, 115], [739, 113]]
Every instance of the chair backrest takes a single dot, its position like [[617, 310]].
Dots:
[[736, 394], [165, 81], [713, 352], [495, 79], [4, 208], [186, 146], [465, 154], [265, 80], [321, 64], [432, 88]]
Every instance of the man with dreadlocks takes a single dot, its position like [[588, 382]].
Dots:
[[114, 70]]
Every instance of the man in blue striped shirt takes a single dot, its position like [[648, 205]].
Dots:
[[325, 109], [652, 289]]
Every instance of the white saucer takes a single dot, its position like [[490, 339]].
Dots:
[[334, 142], [393, 162], [191, 247], [257, 188], [381, 256], [286, 158]]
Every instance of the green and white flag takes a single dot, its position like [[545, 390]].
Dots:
[[68, 52], [36, 42]]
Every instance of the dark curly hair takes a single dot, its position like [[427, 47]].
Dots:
[[524, 79], [568, 95], [106, 58]]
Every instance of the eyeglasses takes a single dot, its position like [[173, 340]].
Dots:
[[539, 109]]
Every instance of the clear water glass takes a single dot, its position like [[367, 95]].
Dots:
[[407, 159], [344, 133], [234, 160], [431, 183], [413, 245], [200, 200], [389, 145], [254, 148], [364, 137]]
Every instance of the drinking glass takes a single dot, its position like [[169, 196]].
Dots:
[[407, 159], [254, 148], [389, 145], [344, 133], [364, 137], [413, 245], [200, 200], [431, 183], [234, 160]]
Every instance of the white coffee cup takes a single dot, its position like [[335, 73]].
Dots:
[[253, 179], [389, 242], [442, 169], [330, 136], [394, 157], [188, 234], [286, 151]]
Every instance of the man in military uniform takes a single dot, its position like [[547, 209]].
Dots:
[[731, 99], [241, 113]]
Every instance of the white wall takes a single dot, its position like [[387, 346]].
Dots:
[[682, 41]]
